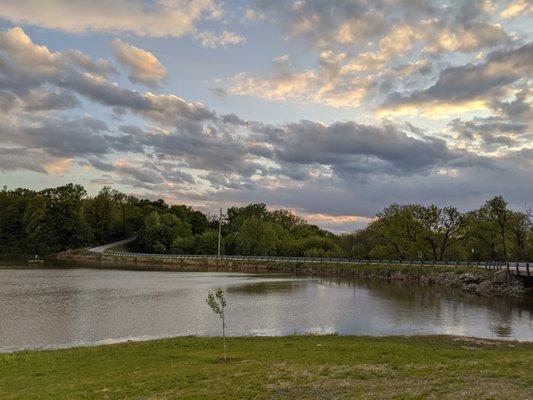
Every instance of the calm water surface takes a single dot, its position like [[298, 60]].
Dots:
[[51, 308]]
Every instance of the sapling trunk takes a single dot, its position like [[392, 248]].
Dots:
[[224, 334], [217, 302]]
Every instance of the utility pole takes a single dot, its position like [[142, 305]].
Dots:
[[219, 230]]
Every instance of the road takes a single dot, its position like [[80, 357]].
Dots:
[[101, 249], [520, 268]]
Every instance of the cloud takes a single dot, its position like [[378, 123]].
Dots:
[[351, 150], [368, 42], [466, 87], [13, 159], [333, 83], [397, 25], [212, 40], [185, 131], [157, 18], [363, 46], [489, 134], [143, 67], [322, 22], [204, 148], [38, 100], [26, 66], [28, 63], [148, 174], [510, 128], [337, 223], [465, 186], [469, 38], [59, 137], [368, 24], [174, 147], [515, 8]]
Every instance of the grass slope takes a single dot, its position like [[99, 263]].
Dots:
[[299, 367]]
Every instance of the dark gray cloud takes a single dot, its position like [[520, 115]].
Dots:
[[60, 137], [44, 100], [38, 100], [205, 149], [509, 176], [473, 81], [492, 131], [151, 175], [511, 125], [166, 109], [13, 159], [348, 146], [516, 109]]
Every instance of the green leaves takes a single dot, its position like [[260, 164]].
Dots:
[[217, 302]]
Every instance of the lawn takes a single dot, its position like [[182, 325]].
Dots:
[[294, 367]]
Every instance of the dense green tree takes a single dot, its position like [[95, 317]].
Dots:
[[64, 217], [259, 237], [207, 242], [286, 219], [13, 204], [54, 219], [320, 246], [236, 216]]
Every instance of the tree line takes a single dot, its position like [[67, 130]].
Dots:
[[64, 217]]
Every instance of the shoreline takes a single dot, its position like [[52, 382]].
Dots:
[[303, 367], [149, 339], [471, 279]]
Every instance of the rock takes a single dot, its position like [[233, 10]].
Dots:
[[468, 278]]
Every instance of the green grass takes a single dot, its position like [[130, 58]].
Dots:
[[296, 367]]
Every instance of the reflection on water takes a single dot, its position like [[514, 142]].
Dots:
[[42, 308]]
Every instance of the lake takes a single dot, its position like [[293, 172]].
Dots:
[[55, 308]]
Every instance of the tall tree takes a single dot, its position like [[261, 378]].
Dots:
[[496, 210]]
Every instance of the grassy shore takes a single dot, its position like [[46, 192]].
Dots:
[[299, 367]]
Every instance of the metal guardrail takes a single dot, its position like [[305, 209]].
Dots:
[[518, 268]]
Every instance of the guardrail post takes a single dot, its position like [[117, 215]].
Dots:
[[527, 269], [517, 269]]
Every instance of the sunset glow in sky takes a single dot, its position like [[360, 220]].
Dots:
[[334, 109]]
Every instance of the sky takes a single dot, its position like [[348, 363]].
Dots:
[[333, 109]]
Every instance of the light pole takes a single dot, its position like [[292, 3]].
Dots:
[[219, 230]]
